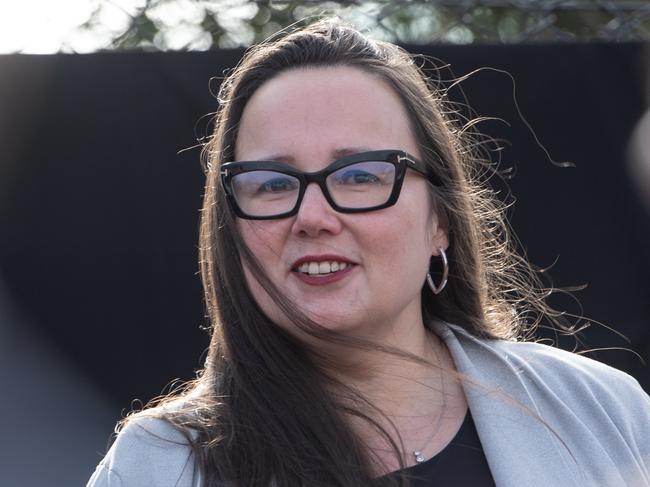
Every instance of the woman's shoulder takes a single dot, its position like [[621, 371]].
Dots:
[[148, 450], [542, 360], [572, 369], [549, 373], [600, 414]]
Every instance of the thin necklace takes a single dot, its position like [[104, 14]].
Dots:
[[419, 457]]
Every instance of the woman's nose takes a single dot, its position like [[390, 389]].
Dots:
[[315, 215]]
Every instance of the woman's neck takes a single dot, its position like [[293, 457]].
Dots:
[[414, 396]]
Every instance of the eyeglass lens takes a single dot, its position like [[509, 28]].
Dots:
[[356, 186]]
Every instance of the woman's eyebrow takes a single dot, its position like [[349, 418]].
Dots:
[[346, 151], [277, 158], [336, 154]]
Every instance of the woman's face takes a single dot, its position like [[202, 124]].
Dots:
[[308, 118]]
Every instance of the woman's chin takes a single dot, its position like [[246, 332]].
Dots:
[[328, 330]]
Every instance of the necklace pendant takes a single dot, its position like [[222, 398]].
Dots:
[[418, 456]]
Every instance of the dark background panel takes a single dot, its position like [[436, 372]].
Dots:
[[99, 203], [582, 103]]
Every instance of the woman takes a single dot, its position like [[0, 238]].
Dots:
[[366, 304]]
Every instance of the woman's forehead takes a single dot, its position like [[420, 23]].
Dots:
[[324, 109]]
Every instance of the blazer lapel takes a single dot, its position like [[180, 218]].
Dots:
[[520, 447]]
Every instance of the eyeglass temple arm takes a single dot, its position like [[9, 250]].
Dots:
[[422, 168]]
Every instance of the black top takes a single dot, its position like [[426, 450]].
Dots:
[[461, 463]]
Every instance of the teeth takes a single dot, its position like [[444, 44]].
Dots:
[[321, 268]]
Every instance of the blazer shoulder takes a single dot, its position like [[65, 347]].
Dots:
[[546, 372], [555, 362], [574, 378], [148, 450]]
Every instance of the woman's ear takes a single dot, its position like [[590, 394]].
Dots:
[[439, 231]]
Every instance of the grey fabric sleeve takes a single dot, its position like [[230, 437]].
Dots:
[[147, 452]]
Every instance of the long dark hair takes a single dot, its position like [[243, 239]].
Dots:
[[262, 410]]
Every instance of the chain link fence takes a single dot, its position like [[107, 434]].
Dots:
[[206, 24]]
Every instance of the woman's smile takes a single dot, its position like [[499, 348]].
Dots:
[[319, 270]]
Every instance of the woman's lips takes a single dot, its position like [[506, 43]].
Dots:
[[321, 269], [322, 279]]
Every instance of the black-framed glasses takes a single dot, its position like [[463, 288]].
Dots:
[[367, 181]]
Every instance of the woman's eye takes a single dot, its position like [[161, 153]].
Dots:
[[277, 185], [357, 177]]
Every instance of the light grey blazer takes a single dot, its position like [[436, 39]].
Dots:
[[545, 417]]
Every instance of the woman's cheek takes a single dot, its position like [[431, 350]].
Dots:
[[264, 300]]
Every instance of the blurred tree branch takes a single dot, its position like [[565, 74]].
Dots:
[[205, 24]]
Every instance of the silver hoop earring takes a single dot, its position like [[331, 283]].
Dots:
[[445, 272]]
